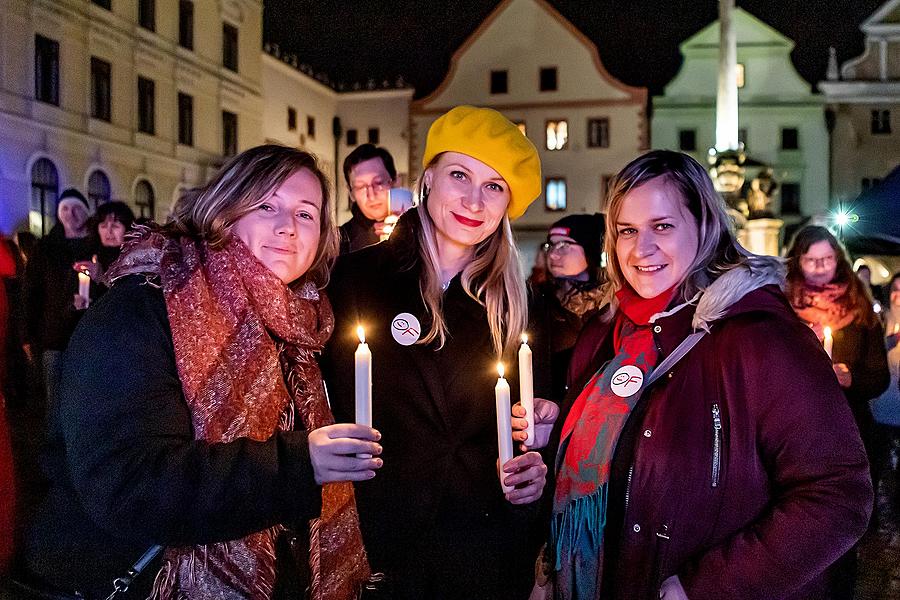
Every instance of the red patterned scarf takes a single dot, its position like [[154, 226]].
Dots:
[[827, 305], [244, 347]]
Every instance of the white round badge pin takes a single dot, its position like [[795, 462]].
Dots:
[[627, 381], [406, 329]]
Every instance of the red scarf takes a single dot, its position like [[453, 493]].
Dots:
[[826, 306], [226, 311]]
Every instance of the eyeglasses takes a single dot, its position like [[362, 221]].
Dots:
[[812, 261], [560, 247], [376, 187]]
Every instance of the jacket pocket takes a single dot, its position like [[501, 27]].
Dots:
[[717, 445]]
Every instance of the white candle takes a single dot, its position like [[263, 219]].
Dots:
[[84, 286], [363, 369], [828, 342], [504, 426], [526, 388]]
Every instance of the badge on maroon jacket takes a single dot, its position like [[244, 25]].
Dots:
[[626, 381], [406, 329]]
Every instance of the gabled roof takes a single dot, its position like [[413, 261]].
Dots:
[[636, 92], [887, 17], [750, 31]]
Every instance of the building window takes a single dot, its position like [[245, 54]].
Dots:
[[557, 134], [789, 138], [186, 24], [103, 4], [147, 14], [46, 70], [881, 122], [44, 189], [230, 47], [555, 194], [870, 182], [374, 135], [185, 119], [687, 140], [99, 190], [790, 198], [352, 137], [145, 200], [548, 81], [739, 75], [292, 118], [522, 128], [229, 133], [146, 106], [499, 82], [598, 133], [311, 127], [101, 89]]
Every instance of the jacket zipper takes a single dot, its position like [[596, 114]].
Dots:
[[628, 486], [717, 445]]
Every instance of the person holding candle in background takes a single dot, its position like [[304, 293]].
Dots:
[[886, 411], [825, 292], [704, 449], [106, 229], [440, 302], [192, 412]]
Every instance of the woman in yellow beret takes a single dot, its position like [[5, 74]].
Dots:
[[441, 302]]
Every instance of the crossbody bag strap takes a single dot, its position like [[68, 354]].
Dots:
[[121, 584], [677, 354]]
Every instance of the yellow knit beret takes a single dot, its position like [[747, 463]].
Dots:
[[485, 134]]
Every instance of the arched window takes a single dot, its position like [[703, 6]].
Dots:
[[99, 191], [44, 190], [145, 200]]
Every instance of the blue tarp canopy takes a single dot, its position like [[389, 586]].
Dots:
[[878, 229]]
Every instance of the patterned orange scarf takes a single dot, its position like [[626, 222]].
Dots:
[[244, 348]]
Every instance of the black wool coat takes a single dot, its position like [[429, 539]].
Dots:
[[434, 518]]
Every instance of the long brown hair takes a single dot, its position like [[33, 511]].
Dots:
[[241, 186], [857, 299], [717, 250]]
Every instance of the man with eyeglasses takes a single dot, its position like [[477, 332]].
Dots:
[[369, 171]]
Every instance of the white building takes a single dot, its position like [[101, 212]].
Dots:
[[527, 61], [123, 100], [781, 120], [864, 100], [135, 99]]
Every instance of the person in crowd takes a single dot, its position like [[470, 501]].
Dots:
[[107, 230], [192, 413], [50, 285], [705, 450], [7, 479], [370, 173], [886, 408], [441, 302], [572, 294]]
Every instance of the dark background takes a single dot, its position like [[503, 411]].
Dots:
[[354, 40]]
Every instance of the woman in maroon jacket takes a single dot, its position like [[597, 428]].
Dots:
[[734, 472]]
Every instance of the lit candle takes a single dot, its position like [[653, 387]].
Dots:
[[526, 388], [828, 342], [363, 363], [504, 426], [84, 286]]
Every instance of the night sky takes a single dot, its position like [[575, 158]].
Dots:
[[353, 40]]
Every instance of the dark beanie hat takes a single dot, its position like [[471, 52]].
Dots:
[[73, 193], [586, 230]]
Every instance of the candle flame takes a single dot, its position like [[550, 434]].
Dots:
[[524, 338], [500, 369], [828, 332], [361, 333]]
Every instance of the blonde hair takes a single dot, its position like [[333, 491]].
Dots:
[[717, 250], [241, 186], [493, 278]]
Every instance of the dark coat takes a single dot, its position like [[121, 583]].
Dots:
[[358, 232], [788, 492], [125, 469], [434, 517], [50, 288]]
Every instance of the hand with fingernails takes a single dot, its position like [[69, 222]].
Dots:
[[527, 475], [545, 415], [336, 452]]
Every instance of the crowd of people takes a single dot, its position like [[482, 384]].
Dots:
[[707, 423]]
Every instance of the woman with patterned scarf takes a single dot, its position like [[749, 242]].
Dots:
[[825, 292], [192, 412], [704, 450]]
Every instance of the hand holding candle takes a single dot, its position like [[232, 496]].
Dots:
[[84, 287], [526, 388], [504, 426]]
